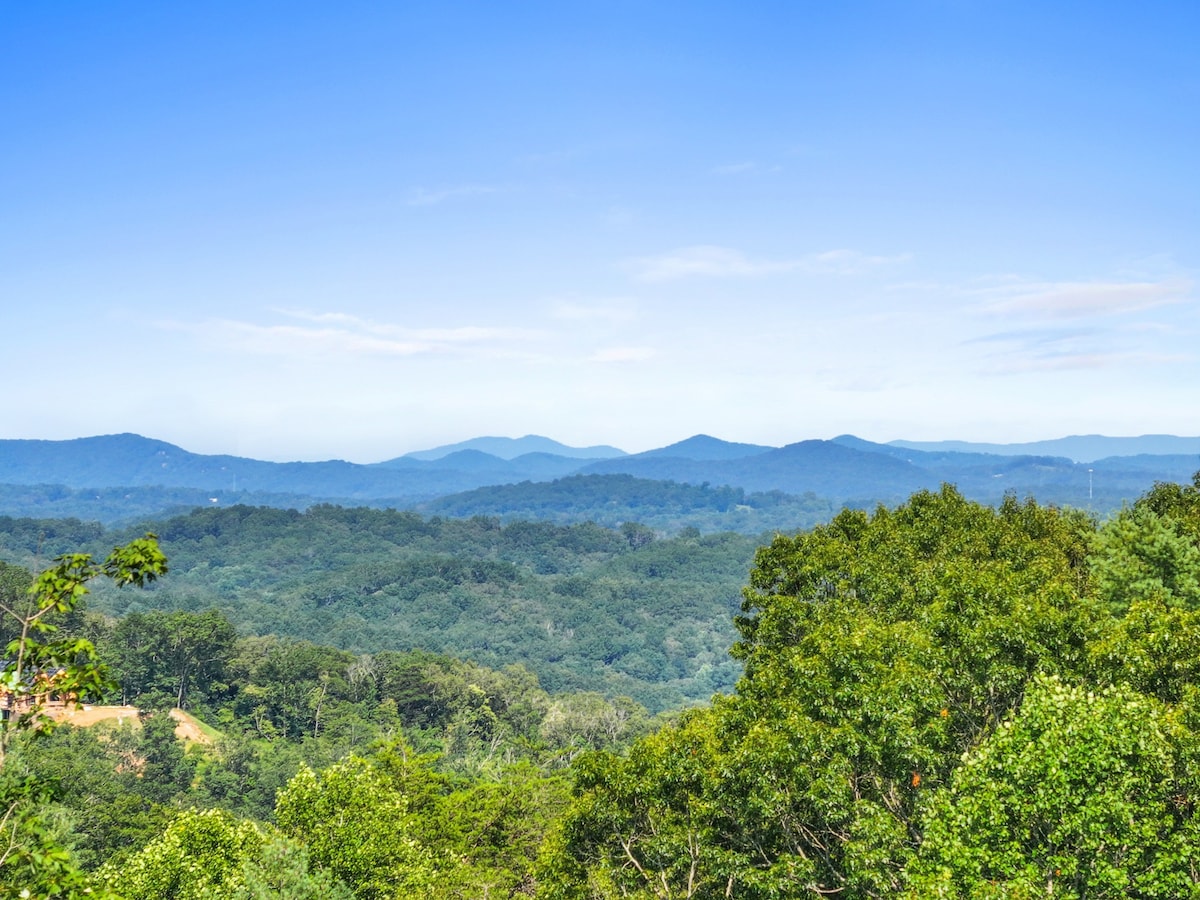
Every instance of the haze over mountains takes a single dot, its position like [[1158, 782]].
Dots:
[[121, 477], [1079, 447], [511, 448]]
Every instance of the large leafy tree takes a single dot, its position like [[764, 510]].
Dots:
[[354, 820], [172, 658], [877, 650], [391, 826], [1079, 794], [212, 855], [1142, 553]]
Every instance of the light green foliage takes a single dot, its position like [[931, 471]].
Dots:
[[1079, 794], [647, 826], [354, 822], [590, 721], [880, 649], [200, 856], [392, 827], [492, 830], [1179, 502], [1154, 648], [213, 856]]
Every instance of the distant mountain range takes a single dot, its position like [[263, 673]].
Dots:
[[126, 476], [1079, 447], [511, 448]]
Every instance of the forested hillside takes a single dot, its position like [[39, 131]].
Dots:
[[938, 699], [617, 610], [612, 500]]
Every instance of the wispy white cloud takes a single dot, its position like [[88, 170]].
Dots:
[[622, 354], [1059, 349], [1034, 336], [1080, 325], [617, 312], [334, 334], [711, 261], [1084, 299], [298, 340], [848, 262], [1067, 360], [433, 196], [704, 261], [468, 333]]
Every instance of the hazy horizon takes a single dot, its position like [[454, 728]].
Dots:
[[286, 458]]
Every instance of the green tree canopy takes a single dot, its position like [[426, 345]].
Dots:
[[878, 649]]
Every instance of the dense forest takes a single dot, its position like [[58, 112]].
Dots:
[[618, 610], [935, 699]]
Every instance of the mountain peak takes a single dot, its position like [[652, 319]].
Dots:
[[510, 448], [706, 447]]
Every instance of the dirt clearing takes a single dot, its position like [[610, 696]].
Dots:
[[186, 727]]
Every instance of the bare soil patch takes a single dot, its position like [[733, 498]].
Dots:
[[186, 727], [84, 716]]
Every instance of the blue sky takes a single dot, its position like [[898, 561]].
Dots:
[[313, 230]]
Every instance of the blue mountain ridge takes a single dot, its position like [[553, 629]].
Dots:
[[844, 470]]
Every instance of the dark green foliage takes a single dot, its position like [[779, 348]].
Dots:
[[31, 540], [15, 582], [622, 612], [280, 871], [164, 768], [34, 864], [614, 499], [165, 658], [94, 784]]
